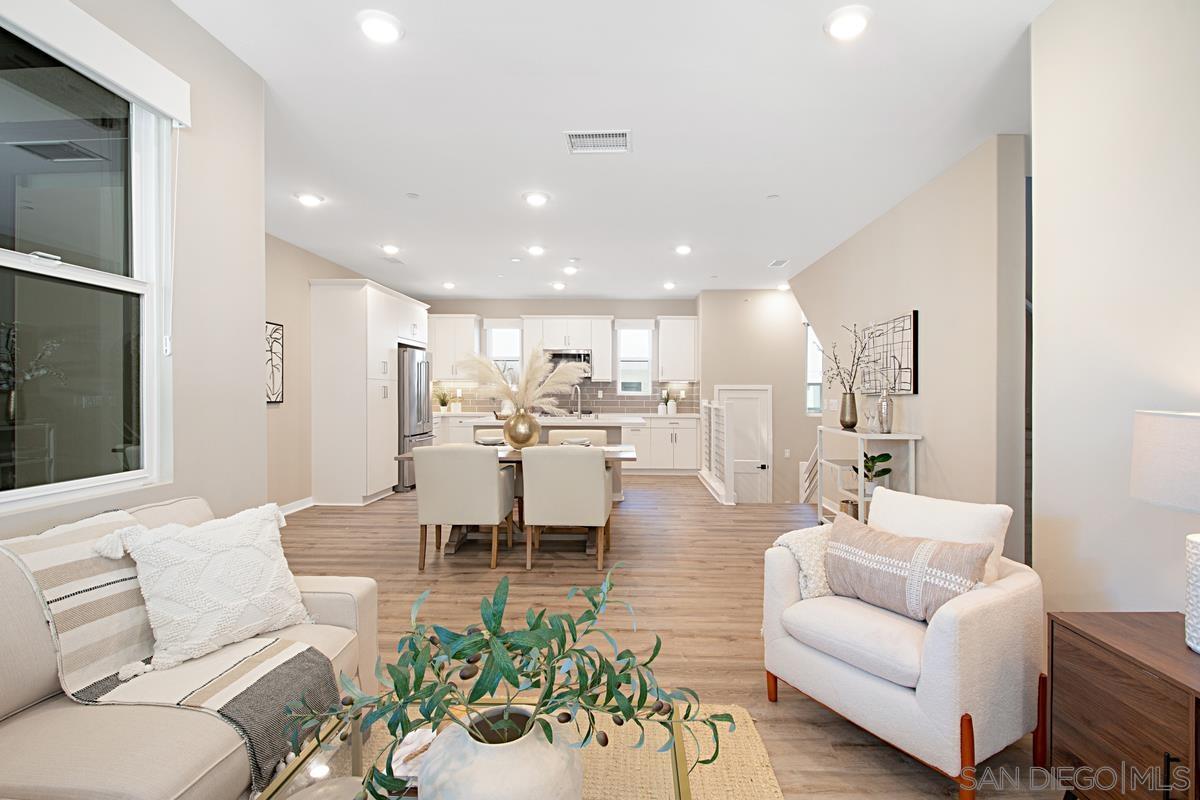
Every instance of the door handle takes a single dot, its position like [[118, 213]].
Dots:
[[762, 466]]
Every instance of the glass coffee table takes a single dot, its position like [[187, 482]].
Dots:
[[333, 771]]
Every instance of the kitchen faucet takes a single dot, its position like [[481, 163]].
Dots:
[[577, 396]]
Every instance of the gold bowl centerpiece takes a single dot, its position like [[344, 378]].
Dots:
[[538, 388]]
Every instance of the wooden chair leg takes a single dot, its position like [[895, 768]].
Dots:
[[600, 548], [421, 550], [528, 549], [521, 510], [537, 537], [966, 746], [608, 532], [508, 521], [772, 688], [1040, 758], [495, 544], [437, 537]]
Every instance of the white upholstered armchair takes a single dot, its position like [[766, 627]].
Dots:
[[950, 693]]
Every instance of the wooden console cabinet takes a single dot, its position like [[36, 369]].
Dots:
[[1123, 695]]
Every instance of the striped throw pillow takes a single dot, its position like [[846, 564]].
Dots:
[[906, 574]]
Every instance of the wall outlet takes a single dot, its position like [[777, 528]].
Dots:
[[599, 394], [831, 403]]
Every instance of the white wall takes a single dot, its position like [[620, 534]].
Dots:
[[1116, 165], [953, 250], [220, 413]]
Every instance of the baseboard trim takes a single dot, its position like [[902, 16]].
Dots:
[[297, 505], [712, 489]]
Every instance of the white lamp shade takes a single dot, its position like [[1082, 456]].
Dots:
[[1166, 459]]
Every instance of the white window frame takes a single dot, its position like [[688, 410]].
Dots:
[[490, 325], [648, 327], [810, 333], [151, 252]]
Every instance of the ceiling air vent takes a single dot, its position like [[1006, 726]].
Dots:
[[597, 141], [779, 262], [59, 151]]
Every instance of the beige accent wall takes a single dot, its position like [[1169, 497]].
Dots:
[[512, 309], [1116, 127], [289, 424], [758, 337], [220, 419], [953, 250]]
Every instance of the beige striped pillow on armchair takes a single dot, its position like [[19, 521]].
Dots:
[[906, 574]]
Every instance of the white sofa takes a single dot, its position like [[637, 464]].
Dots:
[[52, 748], [950, 693]]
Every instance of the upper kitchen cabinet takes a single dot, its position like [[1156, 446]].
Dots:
[[677, 345], [602, 349], [533, 334], [452, 337], [387, 317], [574, 333]]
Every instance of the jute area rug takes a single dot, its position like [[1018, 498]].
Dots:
[[742, 770]]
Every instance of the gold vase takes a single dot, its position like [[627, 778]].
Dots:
[[521, 429]]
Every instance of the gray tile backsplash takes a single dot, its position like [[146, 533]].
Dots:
[[611, 403]]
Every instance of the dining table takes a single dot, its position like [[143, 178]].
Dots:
[[614, 455]]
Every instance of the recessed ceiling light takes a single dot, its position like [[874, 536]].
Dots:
[[669, 286], [574, 259], [499, 276], [448, 285], [558, 286], [535, 250], [310, 200], [389, 249], [570, 270], [515, 260], [783, 287], [380, 27], [683, 249], [536, 199], [848, 23]]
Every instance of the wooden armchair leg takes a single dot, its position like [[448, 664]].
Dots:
[[528, 548], [495, 544], [437, 537], [521, 510], [772, 688], [508, 522], [1040, 757], [600, 548], [608, 532], [421, 550], [966, 746]]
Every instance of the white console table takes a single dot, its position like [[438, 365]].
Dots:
[[862, 439]]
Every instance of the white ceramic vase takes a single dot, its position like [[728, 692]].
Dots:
[[672, 407], [458, 767], [1191, 608]]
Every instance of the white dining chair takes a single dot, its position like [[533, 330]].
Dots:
[[566, 486], [463, 484], [596, 437], [482, 433]]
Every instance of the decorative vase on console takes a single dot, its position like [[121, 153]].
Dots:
[[886, 406], [845, 372]]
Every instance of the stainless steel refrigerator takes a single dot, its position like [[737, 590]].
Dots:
[[416, 409]]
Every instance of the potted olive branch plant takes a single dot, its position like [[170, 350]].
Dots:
[[543, 685], [846, 372]]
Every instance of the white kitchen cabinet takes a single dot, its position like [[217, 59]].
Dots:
[[686, 451], [531, 335], [356, 325], [602, 350], [579, 334], [554, 333], [677, 345], [414, 324], [452, 337], [639, 437], [439, 429]]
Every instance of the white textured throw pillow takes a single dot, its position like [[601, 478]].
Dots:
[[808, 545], [207, 586]]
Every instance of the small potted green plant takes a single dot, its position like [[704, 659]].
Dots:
[[872, 472], [443, 399], [513, 706]]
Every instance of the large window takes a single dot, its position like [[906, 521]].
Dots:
[[815, 370], [82, 243], [504, 347], [634, 346]]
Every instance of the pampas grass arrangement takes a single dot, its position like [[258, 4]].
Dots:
[[539, 387]]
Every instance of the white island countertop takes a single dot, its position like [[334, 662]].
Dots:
[[602, 421]]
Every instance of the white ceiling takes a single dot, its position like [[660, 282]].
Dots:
[[726, 103]]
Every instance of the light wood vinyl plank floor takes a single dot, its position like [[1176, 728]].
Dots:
[[692, 570]]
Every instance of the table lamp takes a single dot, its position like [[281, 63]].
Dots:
[[1166, 472]]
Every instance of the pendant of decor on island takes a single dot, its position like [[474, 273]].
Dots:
[[849, 415]]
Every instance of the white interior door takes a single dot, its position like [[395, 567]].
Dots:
[[748, 422]]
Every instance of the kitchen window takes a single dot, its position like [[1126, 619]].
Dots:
[[634, 346], [83, 246], [815, 365], [504, 349]]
